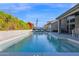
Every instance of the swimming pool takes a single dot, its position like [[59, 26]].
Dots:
[[42, 42]]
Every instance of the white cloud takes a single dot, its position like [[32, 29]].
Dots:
[[15, 7], [20, 7]]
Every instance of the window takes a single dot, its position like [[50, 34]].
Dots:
[[72, 20], [67, 21], [72, 26]]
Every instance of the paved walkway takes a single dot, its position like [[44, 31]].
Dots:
[[4, 35]]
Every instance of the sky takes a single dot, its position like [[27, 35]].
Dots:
[[30, 12]]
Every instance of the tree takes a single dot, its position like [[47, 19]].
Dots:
[[9, 22]]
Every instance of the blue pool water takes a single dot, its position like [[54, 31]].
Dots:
[[42, 42]]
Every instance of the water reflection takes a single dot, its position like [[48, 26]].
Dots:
[[62, 45], [56, 42]]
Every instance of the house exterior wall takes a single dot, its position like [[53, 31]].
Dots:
[[51, 26], [63, 25], [70, 22], [72, 25], [47, 27], [77, 24], [54, 26]]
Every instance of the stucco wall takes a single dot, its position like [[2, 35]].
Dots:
[[77, 24], [63, 24], [54, 26]]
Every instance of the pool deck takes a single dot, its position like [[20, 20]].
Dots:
[[8, 38], [4, 35]]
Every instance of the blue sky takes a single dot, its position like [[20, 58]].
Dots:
[[29, 12]]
